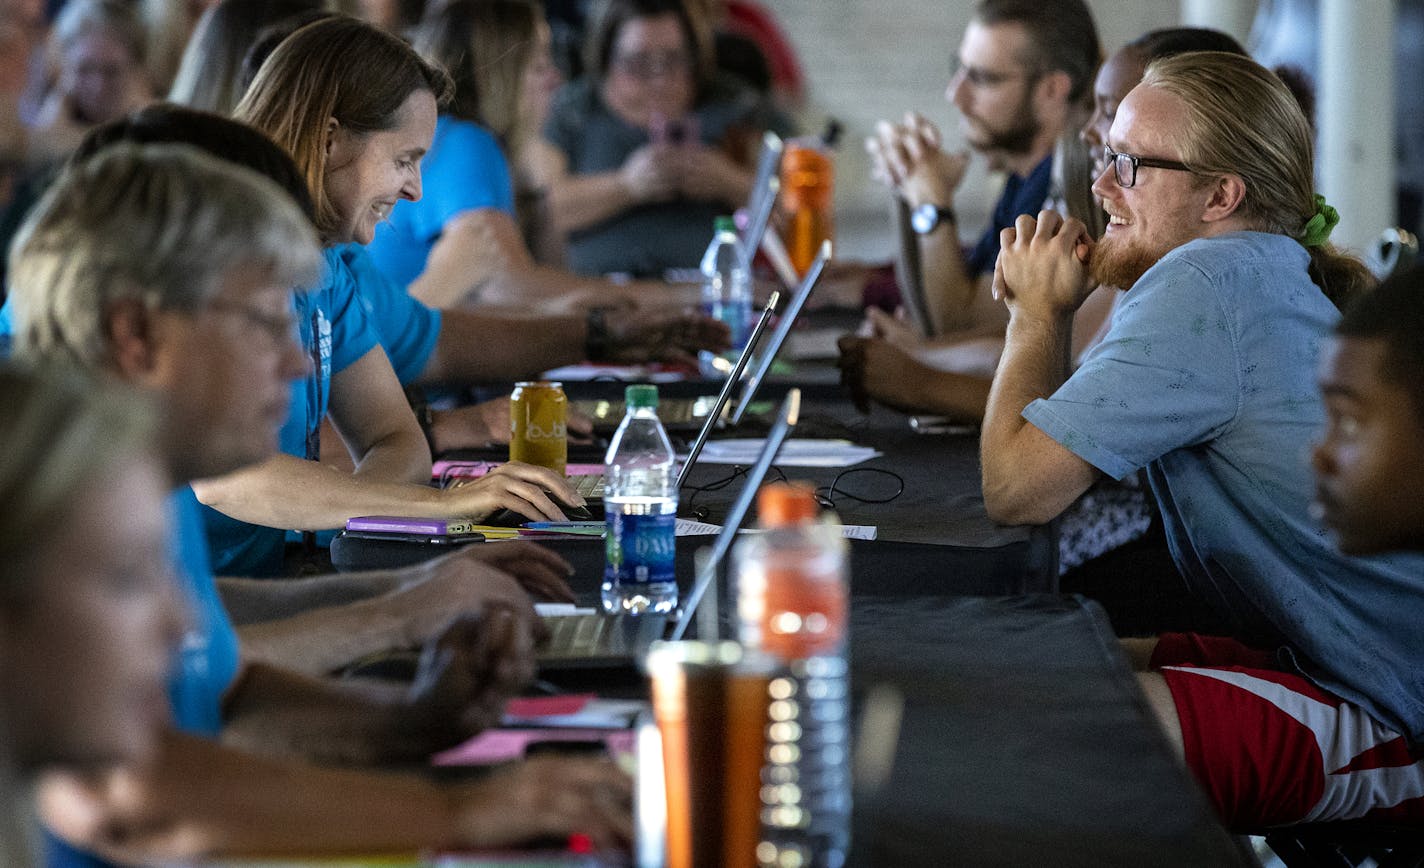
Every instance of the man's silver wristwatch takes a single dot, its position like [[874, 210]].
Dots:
[[928, 217]]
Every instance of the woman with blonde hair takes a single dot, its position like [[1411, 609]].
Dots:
[[357, 133], [88, 608]]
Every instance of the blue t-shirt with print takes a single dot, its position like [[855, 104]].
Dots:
[[407, 328], [1023, 194], [335, 331], [464, 170], [209, 657], [1207, 379]]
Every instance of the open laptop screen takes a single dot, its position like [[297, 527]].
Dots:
[[783, 328], [786, 418]]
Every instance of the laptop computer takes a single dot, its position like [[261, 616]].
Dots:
[[909, 270], [783, 328], [590, 640], [592, 486]]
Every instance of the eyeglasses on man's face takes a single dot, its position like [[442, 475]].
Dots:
[[1125, 165], [982, 78]]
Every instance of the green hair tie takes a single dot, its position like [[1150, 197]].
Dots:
[[1317, 229]]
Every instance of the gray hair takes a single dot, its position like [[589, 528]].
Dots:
[[160, 224], [62, 430]]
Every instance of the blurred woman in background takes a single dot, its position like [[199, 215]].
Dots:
[[100, 48], [653, 144]]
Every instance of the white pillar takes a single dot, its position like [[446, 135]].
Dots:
[[1355, 117], [1228, 16]]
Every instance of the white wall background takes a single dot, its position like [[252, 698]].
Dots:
[[870, 59]]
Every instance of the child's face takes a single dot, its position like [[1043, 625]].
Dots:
[[1369, 465]]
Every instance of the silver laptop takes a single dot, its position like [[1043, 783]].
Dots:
[[593, 486], [783, 328], [909, 270], [592, 640]]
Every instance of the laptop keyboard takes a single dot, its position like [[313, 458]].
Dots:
[[592, 636], [575, 635], [591, 486]]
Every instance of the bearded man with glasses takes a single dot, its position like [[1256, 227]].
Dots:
[[1312, 709], [1023, 82]]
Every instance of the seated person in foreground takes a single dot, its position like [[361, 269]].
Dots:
[[171, 270], [652, 146], [1206, 379], [89, 613], [317, 624]]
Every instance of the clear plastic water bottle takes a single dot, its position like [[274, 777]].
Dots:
[[792, 604], [726, 288], [641, 509]]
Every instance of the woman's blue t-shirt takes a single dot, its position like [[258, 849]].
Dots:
[[336, 330]]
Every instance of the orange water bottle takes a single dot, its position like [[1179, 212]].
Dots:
[[807, 187], [792, 604]]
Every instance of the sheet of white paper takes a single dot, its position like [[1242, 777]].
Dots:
[[687, 527], [631, 373], [794, 453]]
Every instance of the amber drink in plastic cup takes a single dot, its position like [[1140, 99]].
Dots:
[[710, 703]]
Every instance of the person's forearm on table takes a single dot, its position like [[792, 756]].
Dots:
[[249, 601], [479, 346], [277, 712], [1034, 364], [291, 493], [199, 800], [320, 641], [580, 201], [546, 289], [960, 396]]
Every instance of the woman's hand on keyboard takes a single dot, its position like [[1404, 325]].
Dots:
[[522, 488]]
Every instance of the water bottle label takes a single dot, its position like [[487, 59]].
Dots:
[[641, 548]]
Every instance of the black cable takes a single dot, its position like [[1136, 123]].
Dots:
[[826, 494], [774, 474]]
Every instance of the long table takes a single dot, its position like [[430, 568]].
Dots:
[[1024, 740]]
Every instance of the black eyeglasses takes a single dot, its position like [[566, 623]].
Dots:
[[1125, 165]]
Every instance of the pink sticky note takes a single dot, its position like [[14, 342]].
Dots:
[[548, 706], [504, 745]]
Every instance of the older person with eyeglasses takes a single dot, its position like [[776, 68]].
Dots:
[[652, 146]]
